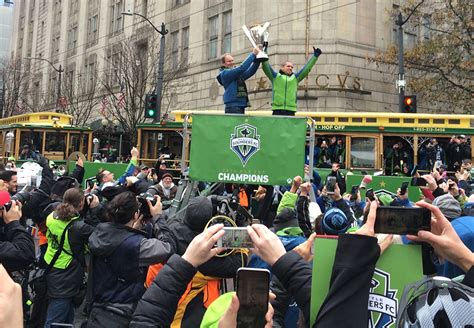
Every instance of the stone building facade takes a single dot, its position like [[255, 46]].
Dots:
[[80, 35]]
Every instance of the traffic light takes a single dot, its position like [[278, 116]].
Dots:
[[150, 105], [409, 104]]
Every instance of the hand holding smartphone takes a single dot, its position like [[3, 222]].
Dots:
[[235, 237], [418, 182], [402, 220], [331, 185], [403, 188], [370, 194], [253, 286]]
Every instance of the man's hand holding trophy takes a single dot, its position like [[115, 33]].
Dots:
[[258, 35]]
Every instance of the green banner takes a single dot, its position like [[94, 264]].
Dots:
[[389, 279], [247, 149]]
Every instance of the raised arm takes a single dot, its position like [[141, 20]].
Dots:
[[231, 74], [250, 71], [268, 70], [303, 73]]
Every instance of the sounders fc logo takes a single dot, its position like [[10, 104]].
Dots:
[[383, 304], [245, 142]]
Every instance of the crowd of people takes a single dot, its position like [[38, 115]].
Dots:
[[113, 250], [118, 252]]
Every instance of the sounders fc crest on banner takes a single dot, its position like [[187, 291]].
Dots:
[[245, 142], [383, 304]]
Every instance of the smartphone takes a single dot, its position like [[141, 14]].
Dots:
[[354, 191], [403, 188], [253, 286], [437, 165], [90, 182], [370, 194], [402, 220], [235, 237], [414, 171], [331, 185], [418, 182]]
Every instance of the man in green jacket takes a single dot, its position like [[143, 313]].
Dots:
[[285, 84]]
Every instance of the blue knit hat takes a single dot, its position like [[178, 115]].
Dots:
[[334, 222]]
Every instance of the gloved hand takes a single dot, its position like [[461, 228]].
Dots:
[[317, 52]]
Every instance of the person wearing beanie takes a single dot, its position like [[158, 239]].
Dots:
[[334, 222], [449, 206], [166, 190]]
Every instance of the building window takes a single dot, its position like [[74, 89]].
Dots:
[[425, 27], [116, 22], [180, 2], [144, 7], [185, 45], [93, 28], [174, 49], [227, 32], [213, 36], [72, 38]]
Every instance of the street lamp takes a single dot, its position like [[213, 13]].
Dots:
[[60, 70], [159, 80]]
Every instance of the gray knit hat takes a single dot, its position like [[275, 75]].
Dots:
[[449, 206]]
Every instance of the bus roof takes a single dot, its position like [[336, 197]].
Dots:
[[370, 121], [40, 120]]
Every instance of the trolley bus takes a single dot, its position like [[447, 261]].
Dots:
[[51, 134], [365, 137]]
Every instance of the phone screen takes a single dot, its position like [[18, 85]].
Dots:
[[235, 237], [370, 194], [418, 181], [402, 220], [354, 191], [403, 188], [253, 286], [330, 185]]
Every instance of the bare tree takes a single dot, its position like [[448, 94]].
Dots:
[[15, 79], [82, 96], [441, 64], [131, 75]]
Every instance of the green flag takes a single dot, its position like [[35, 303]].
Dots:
[[247, 149], [390, 278]]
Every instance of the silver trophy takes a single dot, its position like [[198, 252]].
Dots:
[[258, 35]]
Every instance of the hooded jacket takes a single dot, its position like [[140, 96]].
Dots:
[[185, 307], [120, 257]]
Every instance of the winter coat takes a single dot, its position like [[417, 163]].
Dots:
[[350, 282], [285, 88], [17, 250], [229, 77]]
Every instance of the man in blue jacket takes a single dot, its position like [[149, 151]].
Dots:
[[233, 80]]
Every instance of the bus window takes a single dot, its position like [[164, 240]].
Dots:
[[74, 143], [55, 142], [398, 155], [329, 150], [85, 144], [33, 139], [430, 151], [363, 152]]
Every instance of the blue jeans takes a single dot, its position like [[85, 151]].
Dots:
[[60, 310], [235, 110]]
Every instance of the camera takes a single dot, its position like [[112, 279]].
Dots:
[[23, 196], [229, 206], [142, 201]]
